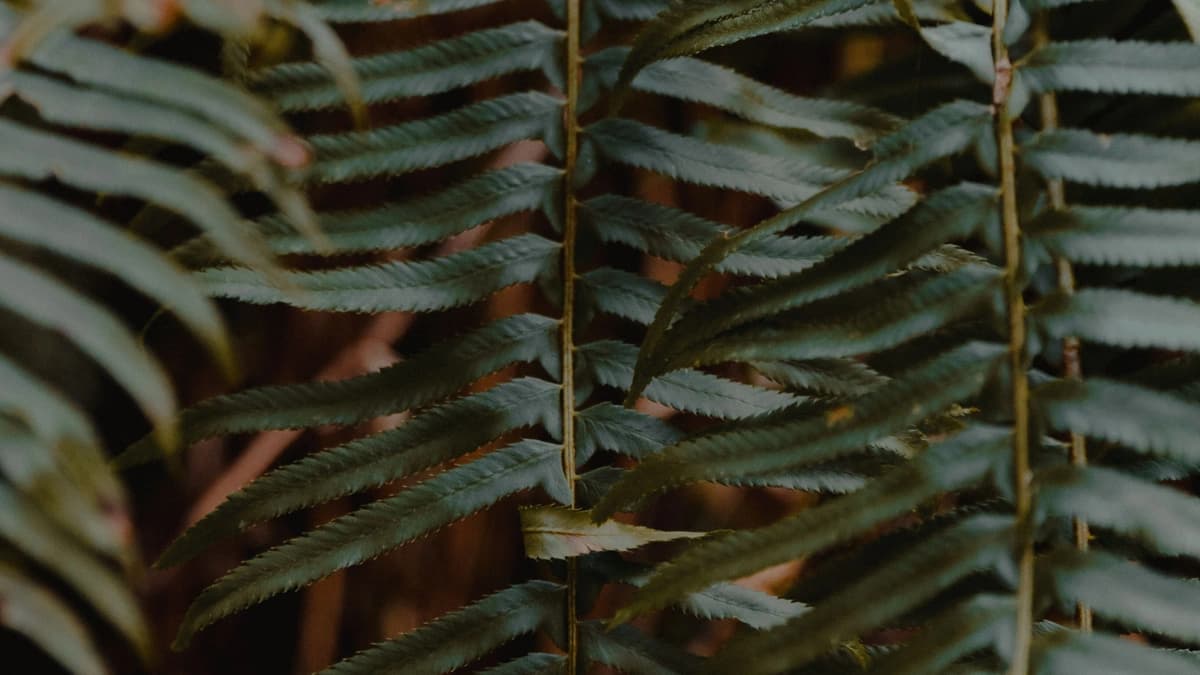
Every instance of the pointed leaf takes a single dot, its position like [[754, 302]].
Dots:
[[1119, 236], [1113, 160], [611, 427], [34, 612], [631, 651], [1069, 653], [1120, 318], [1115, 67], [555, 533]]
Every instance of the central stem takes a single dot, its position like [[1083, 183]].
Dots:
[[1022, 487], [567, 346]]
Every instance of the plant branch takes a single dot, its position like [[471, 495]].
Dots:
[[1072, 362], [1015, 301], [567, 348]]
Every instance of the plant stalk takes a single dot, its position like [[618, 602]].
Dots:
[[1072, 362], [1015, 301], [567, 346]]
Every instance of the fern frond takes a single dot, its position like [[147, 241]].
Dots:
[[531, 664], [631, 651], [605, 426], [976, 545], [433, 69], [1113, 160], [356, 11], [1120, 318], [958, 463], [50, 416], [1065, 652], [438, 372], [409, 146], [37, 614], [380, 527], [425, 286], [974, 625], [1115, 67], [431, 438], [454, 640], [623, 294], [1117, 236], [837, 377], [556, 533]]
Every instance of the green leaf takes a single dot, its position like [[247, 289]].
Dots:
[[951, 214], [424, 286], [438, 372], [611, 363], [30, 218], [1113, 160], [1069, 653], [468, 132], [965, 43], [37, 155], [689, 28], [1117, 236], [612, 427], [34, 612], [677, 235], [730, 601], [871, 319], [1126, 593], [51, 417], [432, 69], [836, 377], [431, 438], [379, 527], [1120, 318], [531, 664], [1115, 67], [458, 638], [556, 533], [357, 11], [30, 532], [328, 50], [978, 623], [976, 545], [1162, 518], [957, 463], [45, 301], [631, 651], [620, 293], [1189, 11], [730, 167], [943, 132], [1142, 419], [698, 81]]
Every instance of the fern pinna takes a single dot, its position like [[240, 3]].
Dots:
[[553, 427], [1042, 528], [68, 103]]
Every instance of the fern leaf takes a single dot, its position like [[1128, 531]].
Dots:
[[951, 214], [611, 363], [725, 166], [698, 81], [1120, 318], [30, 532], [1142, 419], [50, 416], [454, 640], [836, 377], [44, 300], [37, 155], [431, 438], [1189, 11], [680, 236], [37, 614], [960, 462], [975, 545], [1115, 67], [378, 528], [1162, 518], [978, 623], [807, 438], [555, 533], [30, 218], [943, 132], [871, 319], [689, 28], [624, 294], [425, 220], [964, 43], [1128, 594], [1117, 236], [426, 286], [433, 69], [467, 132], [531, 664], [356, 11], [730, 601], [631, 651], [1067, 653], [434, 374], [1113, 160], [611, 427]]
